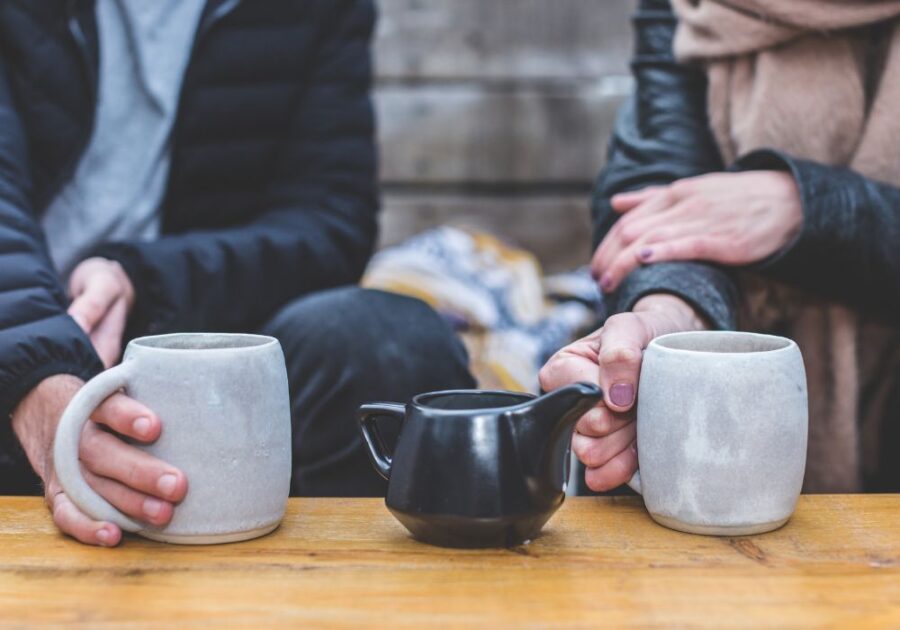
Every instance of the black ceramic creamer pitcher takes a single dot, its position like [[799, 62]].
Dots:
[[477, 468]]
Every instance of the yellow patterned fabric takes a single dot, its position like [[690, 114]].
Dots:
[[494, 295]]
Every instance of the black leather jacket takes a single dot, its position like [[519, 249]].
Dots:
[[849, 247]]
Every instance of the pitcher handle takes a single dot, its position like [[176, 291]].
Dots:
[[67, 441], [368, 414]]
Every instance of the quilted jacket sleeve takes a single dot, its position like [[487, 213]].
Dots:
[[318, 227], [37, 338], [661, 135]]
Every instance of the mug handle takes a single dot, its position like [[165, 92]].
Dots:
[[368, 414], [68, 438], [635, 482]]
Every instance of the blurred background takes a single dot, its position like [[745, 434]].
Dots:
[[495, 115]]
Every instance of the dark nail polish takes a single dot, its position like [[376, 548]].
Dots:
[[606, 282], [622, 394]]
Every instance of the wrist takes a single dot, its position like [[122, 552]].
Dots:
[[677, 314], [35, 418]]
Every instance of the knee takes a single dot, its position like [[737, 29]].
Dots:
[[369, 329]]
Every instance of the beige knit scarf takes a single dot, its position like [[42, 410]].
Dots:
[[805, 76]]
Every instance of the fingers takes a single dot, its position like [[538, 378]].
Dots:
[[622, 342], [614, 473], [605, 439], [135, 504], [623, 202], [565, 370], [99, 294], [106, 337], [596, 452], [105, 455], [620, 236], [577, 362], [72, 521], [601, 421], [128, 417], [694, 247], [626, 261], [640, 251]]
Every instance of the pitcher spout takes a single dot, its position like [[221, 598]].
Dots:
[[544, 431], [560, 409]]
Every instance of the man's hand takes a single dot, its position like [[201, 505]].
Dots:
[[604, 438], [102, 298], [727, 218], [139, 485]]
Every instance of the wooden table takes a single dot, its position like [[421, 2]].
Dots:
[[347, 562]]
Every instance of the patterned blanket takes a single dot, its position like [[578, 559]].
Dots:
[[510, 317]]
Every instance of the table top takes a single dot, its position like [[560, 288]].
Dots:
[[347, 562]]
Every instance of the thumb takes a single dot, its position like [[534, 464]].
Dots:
[[91, 306], [622, 343], [72, 521], [107, 335]]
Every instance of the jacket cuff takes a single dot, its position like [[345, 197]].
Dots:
[[60, 347], [44, 358], [772, 160], [709, 289]]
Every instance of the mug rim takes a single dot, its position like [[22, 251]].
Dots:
[[257, 342], [418, 400], [658, 343]]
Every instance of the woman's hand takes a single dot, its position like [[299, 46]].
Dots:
[[604, 438], [102, 297], [727, 218]]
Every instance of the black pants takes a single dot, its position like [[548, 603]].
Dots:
[[343, 347]]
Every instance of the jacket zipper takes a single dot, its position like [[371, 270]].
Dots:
[[89, 64], [209, 19]]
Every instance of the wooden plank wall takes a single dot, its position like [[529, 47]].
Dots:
[[495, 114]]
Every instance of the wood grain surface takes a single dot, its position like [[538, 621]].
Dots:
[[478, 100], [346, 562], [503, 39], [543, 223], [466, 134]]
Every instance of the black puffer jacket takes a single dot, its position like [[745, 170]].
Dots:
[[849, 248], [272, 188]]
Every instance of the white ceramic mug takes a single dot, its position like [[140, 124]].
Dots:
[[722, 423], [224, 404]]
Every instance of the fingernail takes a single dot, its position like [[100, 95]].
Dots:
[[634, 447], [167, 483], [103, 536], [645, 253], [606, 281], [152, 506], [141, 426], [622, 394]]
